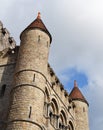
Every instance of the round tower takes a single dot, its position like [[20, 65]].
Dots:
[[26, 111], [80, 109]]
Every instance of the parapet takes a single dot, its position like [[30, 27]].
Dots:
[[57, 85]]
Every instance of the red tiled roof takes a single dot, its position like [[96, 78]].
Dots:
[[38, 23], [76, 94]]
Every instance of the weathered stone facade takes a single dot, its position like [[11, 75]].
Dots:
[[31, 95]]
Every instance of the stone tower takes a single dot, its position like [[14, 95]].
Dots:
[[26, 110], [81, 108]]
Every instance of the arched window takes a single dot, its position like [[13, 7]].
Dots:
[[2, 90], [71, 126], [46, 103], [47, 98], [53, 113], [62, 121]]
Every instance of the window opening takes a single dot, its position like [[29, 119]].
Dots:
[[30, 111], [47, 44], [34, 78], [83, 109], [3, 90], [39, 38]]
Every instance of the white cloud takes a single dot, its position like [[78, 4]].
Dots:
[[77, 30]]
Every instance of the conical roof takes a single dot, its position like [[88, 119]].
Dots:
[[38, 23], [76, 94]]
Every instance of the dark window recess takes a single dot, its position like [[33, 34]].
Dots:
[[50, 115], [10, 40], [3, 31], [47, 44], [83, 109], [30, 111], [34, 78], [3, 90], [60, 125], [39, 38]]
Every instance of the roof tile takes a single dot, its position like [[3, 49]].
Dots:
[[38, 23]]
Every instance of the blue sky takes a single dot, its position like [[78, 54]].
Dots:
[[68, 76], [76, 51]]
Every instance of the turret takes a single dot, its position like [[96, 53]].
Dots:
[[26, 110], [34, 48], [81, 108]]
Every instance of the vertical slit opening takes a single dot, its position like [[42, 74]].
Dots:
[[39, 38], [30, 111], [34, 78], [3, 90]]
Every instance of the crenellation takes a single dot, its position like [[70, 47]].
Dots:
[[12, 43], [57, 85], [5, 32]]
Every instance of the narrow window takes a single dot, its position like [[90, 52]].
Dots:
[[34, 78], [3, 90], [60, 125], [30, 111], [50, 115], [83, 109], [39, 38], [47, 44]]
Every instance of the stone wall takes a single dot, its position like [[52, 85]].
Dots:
[[81, 116], [7, 67], [8, 55]]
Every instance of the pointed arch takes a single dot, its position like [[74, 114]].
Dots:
[[71, 127], [54, 102], [47, 95], [46, 102], [64, 117], [53, 112], [62, 108], [62, 120], [53, 96]]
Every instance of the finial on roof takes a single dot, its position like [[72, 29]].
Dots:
[[39, 15], [75, 83]]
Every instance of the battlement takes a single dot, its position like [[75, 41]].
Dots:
[[57, 86], [6, 41]]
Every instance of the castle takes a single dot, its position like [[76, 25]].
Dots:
[[31, 95]]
